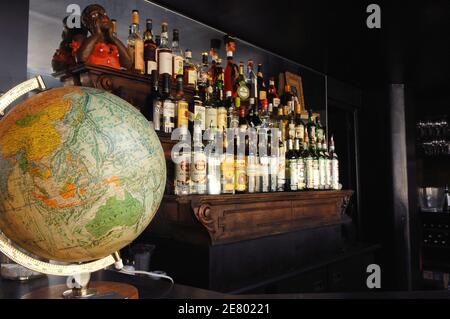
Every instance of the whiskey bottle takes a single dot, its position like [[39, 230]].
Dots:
[[203, 74], [231, 71], [291, 167], [240, 86], [182, 166], [221, 109], [252, 81], [272, 95], [210, 109], [301, 181], [156, 102], [327, 164], [262, 89], [311, 128], [299, 125], [213, 171], [233, 113], [136, 49], [319, 129], [264, 161], [308, 158], [215, 60], [281, 179], [168, 106], [164, 53], [198, 111], [334, 166], [149, 48], [177, 55], [227, 168], [252, 158], [198, 162], [322, 163], [316, 171], [189, 69], [182, 105]]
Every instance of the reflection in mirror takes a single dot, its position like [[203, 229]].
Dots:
[[46, 25]]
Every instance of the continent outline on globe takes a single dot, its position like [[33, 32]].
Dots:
[[82, 174]]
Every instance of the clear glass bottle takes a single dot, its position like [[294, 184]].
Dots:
[[177, 54], [334, 166], [213, 172], [156, 102], [198, 162], [182, 166], [190, 70], [168, 106], [135, 46], [164, 53], [301, 181]]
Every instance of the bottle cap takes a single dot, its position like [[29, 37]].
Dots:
[[188, 53]]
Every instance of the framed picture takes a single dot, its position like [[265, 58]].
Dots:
[[295, 81]]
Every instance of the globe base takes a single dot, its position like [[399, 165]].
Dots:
[[104, 290]]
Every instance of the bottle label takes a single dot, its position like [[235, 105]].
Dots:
[[222, 118], [211, 117], [157, 105], [183, 114], [199, 115], [319, 134], [177, 65], [165, 63], [328, 181], [322, 173], [192, 77], [243, 92], [281, 173], [213, 175], [309, 173], [251, 166], [316, 174], [262, 95], [228, 174], [335, 174], [293, 174], [240, 175], [301, 182], [139, 56], [198, 168], [151, 65], [182, 176], [168, 109], [276, 102]]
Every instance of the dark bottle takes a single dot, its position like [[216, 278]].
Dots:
[[252, 80], [319, 129], [149, 48], [311, 128], [240, 85], [262, 89], [182, 105], [168, 105], [272, 95], [156, 102]]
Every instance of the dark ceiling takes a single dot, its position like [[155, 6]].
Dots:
[[412, 45]]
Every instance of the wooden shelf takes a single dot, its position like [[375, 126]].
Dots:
[[221, 219]]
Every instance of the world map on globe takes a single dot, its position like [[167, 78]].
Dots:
[[82, 174]]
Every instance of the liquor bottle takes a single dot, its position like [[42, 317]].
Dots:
[[281, 124], [301, 181], [252, 157], [189, 69], [213, 172], [316, 171], [231, 71], [227, 168], [286, 98], [182, 105], [262, 89], [263, 172], [252, 80], [168, 105], [210, 109], [265, 115], [273, 165], [319, 129], [308, 158], [156, 102], [272, 95], [281, 179], [114, 27], [198, 162], [203, 74], [291, 128], [177, 54], [291, 167], [322, 164], [299, 125], [334, 166], [182, 166], [136, 49], [311, 128], [219, 104], [149, 48], [198, 111], [256, 120], [240, 86], [215, 60], [240, 169], [233, 113], [164, 54], [327, 164]]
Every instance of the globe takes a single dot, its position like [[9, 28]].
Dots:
[[82, 174]]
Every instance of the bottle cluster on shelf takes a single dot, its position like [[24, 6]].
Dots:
[[262, 142]]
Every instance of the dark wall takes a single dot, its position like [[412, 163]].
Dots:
[[14, 39]]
